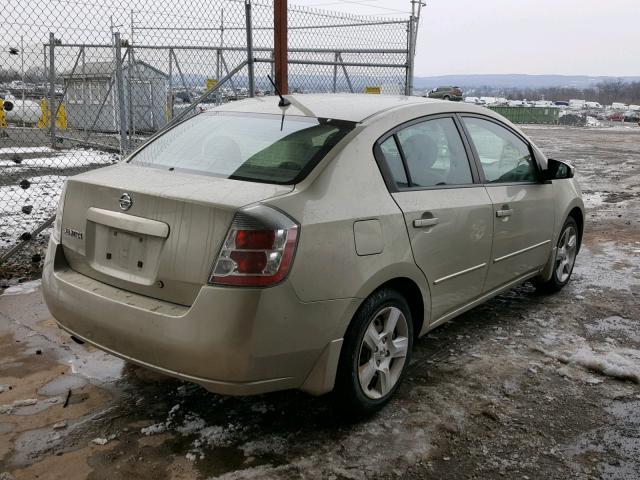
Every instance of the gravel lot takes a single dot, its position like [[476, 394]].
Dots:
[[526, 386]]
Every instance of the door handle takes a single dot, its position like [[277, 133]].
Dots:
[[425, 222], [505, 212]]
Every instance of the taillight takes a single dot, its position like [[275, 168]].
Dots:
[[258, 250], [57, 223]]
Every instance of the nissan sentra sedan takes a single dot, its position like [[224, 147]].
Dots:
[[255, 248]]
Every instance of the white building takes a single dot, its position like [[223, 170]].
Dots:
[[91, 99]]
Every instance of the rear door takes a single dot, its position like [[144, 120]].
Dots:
[[523, 213], [448, 214]]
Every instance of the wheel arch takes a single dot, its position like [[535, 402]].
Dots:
[[578, 215], [413, 295], [413, 287]]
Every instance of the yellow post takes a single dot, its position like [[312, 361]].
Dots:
[[3, 117], [43, 121], [210, 83], [61, 118]]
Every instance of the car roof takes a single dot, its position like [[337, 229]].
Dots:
[[340, 106]]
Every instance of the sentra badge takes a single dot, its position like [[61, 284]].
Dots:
[[73, 233]]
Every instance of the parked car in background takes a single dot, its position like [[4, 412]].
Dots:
[[254, 248], [544, 104], [576, 104], [561, 103], [489, 100], [616, 117], [446, 93]]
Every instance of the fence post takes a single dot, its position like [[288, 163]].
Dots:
[[171, 99], [335, 71], [52, 88], [122, 118], [411, 31], [250, 63]]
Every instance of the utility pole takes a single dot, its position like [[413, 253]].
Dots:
[[280, 45]]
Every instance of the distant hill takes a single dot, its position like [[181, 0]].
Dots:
[[514, 81]]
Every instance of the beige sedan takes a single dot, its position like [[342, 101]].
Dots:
[[255, 248]]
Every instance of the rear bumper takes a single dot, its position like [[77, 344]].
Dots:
[[232, 341]]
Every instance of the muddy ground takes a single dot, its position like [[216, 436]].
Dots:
[[526, 386]]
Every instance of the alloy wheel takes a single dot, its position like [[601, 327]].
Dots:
[[566, 254], [383, 352]]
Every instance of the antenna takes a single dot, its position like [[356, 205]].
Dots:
[[283, 101]]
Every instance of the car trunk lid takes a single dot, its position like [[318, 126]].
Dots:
[[152, 231]]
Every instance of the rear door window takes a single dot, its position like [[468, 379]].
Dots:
[[394, 161], [434, 154]]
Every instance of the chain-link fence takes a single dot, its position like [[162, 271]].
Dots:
[[84, 82]]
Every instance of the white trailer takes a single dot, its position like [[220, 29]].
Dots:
[[575, 104]]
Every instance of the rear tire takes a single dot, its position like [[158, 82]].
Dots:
[[567, 250], [446, 97], [375, 354]]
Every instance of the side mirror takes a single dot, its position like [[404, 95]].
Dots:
[[557, 170]]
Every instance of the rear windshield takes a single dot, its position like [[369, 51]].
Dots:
[[254, 147]]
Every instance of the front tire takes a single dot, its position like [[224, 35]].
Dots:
[[375, 354], [566, 252], [446, 97]]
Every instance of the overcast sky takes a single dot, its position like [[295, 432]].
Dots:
[[571, 37]]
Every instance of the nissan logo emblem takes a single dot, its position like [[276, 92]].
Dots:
[[125, 202]]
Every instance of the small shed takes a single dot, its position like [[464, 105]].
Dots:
[[91, 103]]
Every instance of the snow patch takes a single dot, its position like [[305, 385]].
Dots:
[[273, 445], [628, 328], [12, 150], [192, 424], [154, 429], [23, 288], [612, 364], [593, 200], [46, 175]]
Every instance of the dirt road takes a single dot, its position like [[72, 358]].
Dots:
[[526, 386]]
